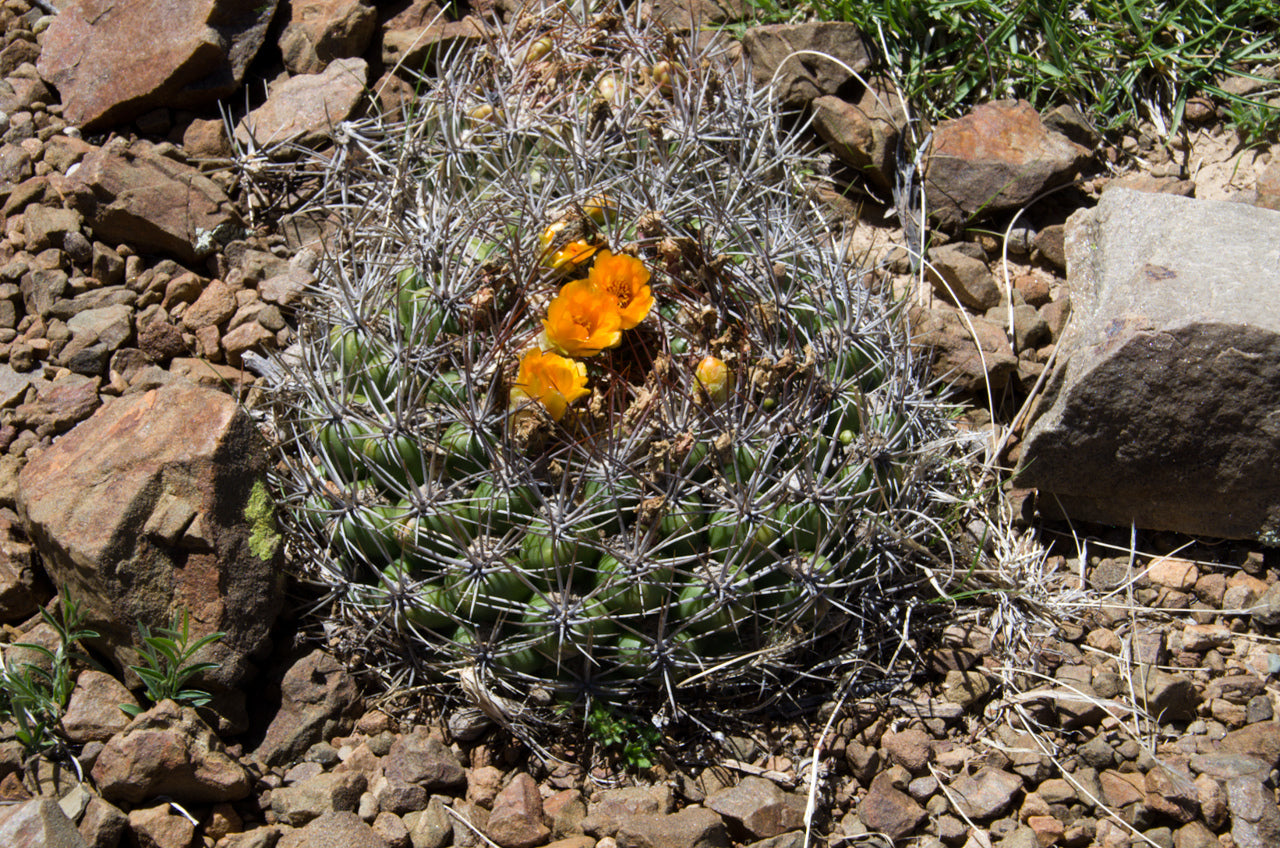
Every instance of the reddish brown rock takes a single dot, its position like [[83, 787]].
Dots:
[[987, 793], [94, 713], [889, 810], [304, 109], [695, 827], [175, 517], [128, 193], [215, 305], [416, 47], [515, 820], [322, 30], [333, 830], [863, 135], [318, 700], [997, 157], [956, 357], [424, 760], [169, 750], [40, 822], [758, 808], [113, 61], [161, 827]]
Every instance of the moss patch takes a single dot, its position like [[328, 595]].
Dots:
[[260, 512]]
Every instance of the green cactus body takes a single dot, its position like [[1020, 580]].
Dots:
[[591, 396]]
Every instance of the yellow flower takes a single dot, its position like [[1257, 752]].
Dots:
[[583, 320], [713, 375], [569, 255], [554, 380], [626, 278]]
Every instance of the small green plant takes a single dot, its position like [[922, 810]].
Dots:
[[629, 739], [35, 697], [167, 666]]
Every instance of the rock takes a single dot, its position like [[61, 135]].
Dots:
[[1172, 794], [322, 30], [911, 748], [889, 810], [286, 289], [175, 518], [214, 306], [94, 712], [1266, 611], [1194, 835], [1260, 740], [161, 827], [986, 794], [863, 135], [694, 827], [424, 760], [956, 359], [298, 804], [962, 279], [1255, 817], [965, 687], [684, 15], [129, 193], [565, 811], [806, 77], [418, 46], [47, 226], [758, 809], [304, 109], [169, 750], [333, 830], [102, 824], [1173, 573], [114, 61], [1170, 697], [59, 406], [515, 820], [40, 822], [318, 700], [431, 828], [997, 157], [1169, 374], [613, 806]]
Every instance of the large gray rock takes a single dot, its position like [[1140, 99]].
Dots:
[[1166, 409], [174, 517], [112, 61]]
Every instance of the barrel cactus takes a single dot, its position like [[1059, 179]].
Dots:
[[589, 397]]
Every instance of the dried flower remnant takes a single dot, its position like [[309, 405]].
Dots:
[[582, 320], [553, 380], [627, 280]]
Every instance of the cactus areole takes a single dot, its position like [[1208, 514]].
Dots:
[[590, 399]]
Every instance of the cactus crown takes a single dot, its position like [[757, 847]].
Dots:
[[589, 397]]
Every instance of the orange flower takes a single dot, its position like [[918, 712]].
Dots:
[[552, 379], [583, 320], [569, 255], [626, 278]]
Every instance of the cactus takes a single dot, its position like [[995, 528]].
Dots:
[[588, 395]]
